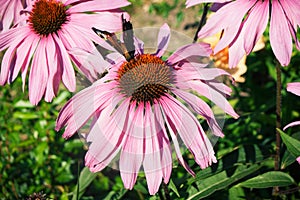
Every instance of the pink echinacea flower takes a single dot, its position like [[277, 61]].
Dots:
[[295, 89], [142, 103], [244, 21], [43, 44]]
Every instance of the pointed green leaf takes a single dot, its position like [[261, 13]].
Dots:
[[269, 179], [222, 180], [292, 144], [172, 186], [85, 179]]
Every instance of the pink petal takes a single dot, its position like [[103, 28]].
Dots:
[[298, 160], [98, 5], [68, 74], [34, 40], [191, 71], [132, 154], [82, 106], [166, 154], [280, 38], [53, 70], [13, 36], [292, 124], [163, 40], [190, 131], [86, 30], [6, 17], [200, 107], [110, 128], [293, 17], [38, 75], [236, 51], [210, 93], [23, 55], [153, 149], [92, 61], [220, 87], [139, 45], [230, 23], [255, 24], [175, 143], [294, 88], [197, 49]]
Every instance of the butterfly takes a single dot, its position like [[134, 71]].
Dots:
[[126, 48]]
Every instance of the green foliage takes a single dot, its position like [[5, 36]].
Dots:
[[293, 145], [35, 158], [269, 179]]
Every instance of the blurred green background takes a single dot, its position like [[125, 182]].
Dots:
[[35, 158]]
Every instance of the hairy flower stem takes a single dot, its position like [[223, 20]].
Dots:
[[202, 21], [278, 121], [166, 191]]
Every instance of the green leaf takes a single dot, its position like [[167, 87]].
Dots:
[[23, 104], [246, 154], [291, 143], [61, 97], [22, 115], [269, 179], [85, 179], [222, 180], [113, 195], [172, 186], [236, 193], [287, 159]]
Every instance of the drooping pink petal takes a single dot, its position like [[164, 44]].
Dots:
[[294, 88], [292, 124], [190, 131], [152, 151], [38, 75], [186, 51], [33, 40], [200, 107], [255, 24], [192, 71], [166, 154], [291, 9], [80, 108], [298, 160], [139, 45], [220, 87], [211, 94], [98, 5], [163, 40], [280, 37], [110, 127], [53, 69], [68, 74], [229, 23], [12, 36], [172, 132], [132, 155], [8, 62], [236, 51], [93, 62]]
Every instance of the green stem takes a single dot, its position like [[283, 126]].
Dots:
[[278, 121], [166, 191], [202, 21]]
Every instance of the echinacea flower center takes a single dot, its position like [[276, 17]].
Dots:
[[145, 78], [47, 16]]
